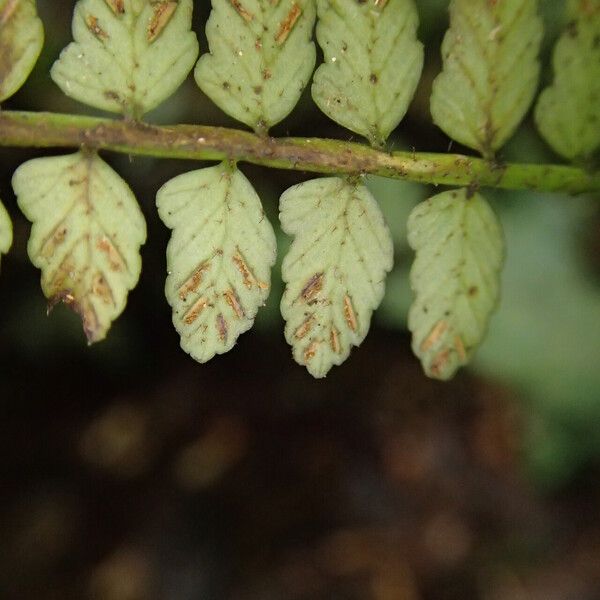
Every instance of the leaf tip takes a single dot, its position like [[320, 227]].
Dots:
[[93, 330]]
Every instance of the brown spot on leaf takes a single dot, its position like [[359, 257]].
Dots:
[[334, 340], [572, 29], [437, 331], [247, 275], [312, 288], [112, 95], [349, 314], [233, 301], [286, 26], [242, 11], [94, 27], [192, 314], [163, 12], [192, 283], [8, 11], [57, 238], [304, 328], [460, 348], [101, 289], [222, 328], [61, 279], [473, 291], [117, 6], [439, 362], [311, 351], [244, 269], [114, 258]]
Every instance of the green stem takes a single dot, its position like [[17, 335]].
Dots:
[[199, 142]]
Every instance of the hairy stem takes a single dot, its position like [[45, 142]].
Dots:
[[199, 142]]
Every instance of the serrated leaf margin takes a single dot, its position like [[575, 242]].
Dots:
[[92, 272], [465, 100], [275, 60], [455, 278], [208, 313], [385, 71], [328, 302], [103, 66]]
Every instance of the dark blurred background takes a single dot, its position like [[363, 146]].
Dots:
[[129, 472]]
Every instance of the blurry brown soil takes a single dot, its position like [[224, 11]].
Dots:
[[244, 479]]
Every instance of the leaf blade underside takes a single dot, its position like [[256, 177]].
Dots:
[[21, 41], [490, 71], [372, 64], [86, 234], [568, 111], [261, 58], [455, 278], [127, 55], [219, 257], [334, 271]]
